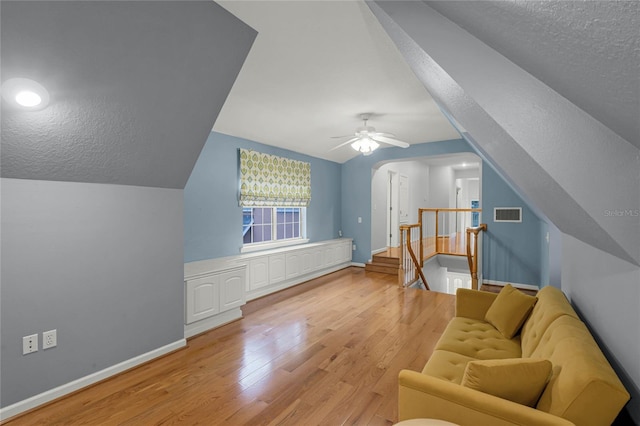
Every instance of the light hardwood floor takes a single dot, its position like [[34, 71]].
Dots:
[[327, 352]]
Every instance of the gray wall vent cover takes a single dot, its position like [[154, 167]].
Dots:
[[507, 214]]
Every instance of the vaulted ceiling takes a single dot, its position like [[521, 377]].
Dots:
[[316, 65], [314, 68]]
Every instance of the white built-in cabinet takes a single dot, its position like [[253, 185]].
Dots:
[[213, 298], [277, 268], [216, 289], [203, 298], [274, 270]]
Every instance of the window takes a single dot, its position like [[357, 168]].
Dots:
[[274, 193], [270, 224]]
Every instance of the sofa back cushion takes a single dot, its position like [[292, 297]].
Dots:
[[551, 305]]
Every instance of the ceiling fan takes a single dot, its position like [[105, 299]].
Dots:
[[366, 139]]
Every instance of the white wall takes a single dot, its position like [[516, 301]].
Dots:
[[605, 291], [418, 174], [442, 193], [436, 275], [441, 182]]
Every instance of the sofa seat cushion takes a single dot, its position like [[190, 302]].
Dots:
[[478, 340], [447, 366]]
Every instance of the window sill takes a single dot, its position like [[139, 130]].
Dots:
[[249, 248]]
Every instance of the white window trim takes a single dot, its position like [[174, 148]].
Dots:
[[248, 248], [252, 247]]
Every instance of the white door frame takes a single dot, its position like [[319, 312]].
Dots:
[[392, 209]]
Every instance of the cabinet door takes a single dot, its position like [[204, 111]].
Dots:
[[329, 256], [345, 250], [294, 264], [202, 296], [277, 268], [232, 294], [308, 261], [258, 272]]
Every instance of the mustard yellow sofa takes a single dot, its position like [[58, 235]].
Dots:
[[580, 387]]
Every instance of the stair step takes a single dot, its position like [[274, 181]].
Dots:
[[382, 268], [386, 260]]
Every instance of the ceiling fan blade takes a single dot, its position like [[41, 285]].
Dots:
[[340, 137], [352, 140], [390, 141], [388, 135]]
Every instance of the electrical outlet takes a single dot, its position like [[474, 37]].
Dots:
[[354, 247], [29, 344], [49, 339]]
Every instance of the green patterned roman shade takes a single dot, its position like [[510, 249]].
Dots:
[[269, 180]]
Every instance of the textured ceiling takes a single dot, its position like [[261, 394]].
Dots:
[[314, 67], [135, 87], [587, 51]]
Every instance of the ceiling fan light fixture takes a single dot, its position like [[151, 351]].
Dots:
[[365, 145], [366, 139]]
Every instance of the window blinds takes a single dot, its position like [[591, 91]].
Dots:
[[269, 180]]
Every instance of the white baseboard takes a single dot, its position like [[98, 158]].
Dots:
[[207, 324], [516, 285], [380, 250], [60, 391], [359, 265]]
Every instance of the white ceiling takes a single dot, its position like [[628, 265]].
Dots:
[[313, 69], [317, 65]]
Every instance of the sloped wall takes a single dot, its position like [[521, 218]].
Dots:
[[135, 87]]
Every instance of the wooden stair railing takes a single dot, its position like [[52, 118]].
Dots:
[[431, 236], [440, 239], [412, 268], [472, 257]]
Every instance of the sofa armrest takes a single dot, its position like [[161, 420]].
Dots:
[[423, 396], [473, 304]]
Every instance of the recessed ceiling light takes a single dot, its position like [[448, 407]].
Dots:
[[28, 98], [25, 94]]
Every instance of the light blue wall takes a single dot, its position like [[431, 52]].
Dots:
[[342, 193], [356, 188], [212, 217], [512, 252]]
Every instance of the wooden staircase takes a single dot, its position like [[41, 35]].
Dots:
[[387, 262]]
